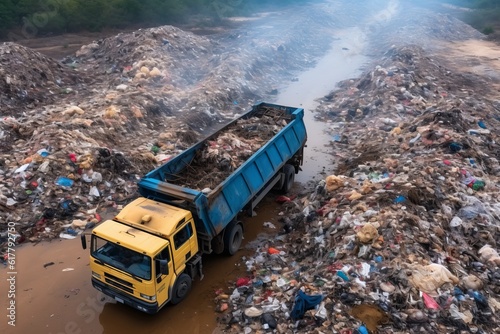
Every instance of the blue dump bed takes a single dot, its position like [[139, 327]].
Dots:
[[214, 210]]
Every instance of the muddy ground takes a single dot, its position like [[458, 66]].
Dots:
[[53, 286]]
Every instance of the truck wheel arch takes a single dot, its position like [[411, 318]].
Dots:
[[181, 288]]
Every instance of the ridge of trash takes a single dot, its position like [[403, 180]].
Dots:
[[403, 237]]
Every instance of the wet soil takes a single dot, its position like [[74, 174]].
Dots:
[[479, 57], [63, 45]]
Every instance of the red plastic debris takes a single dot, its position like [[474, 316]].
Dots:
[[72, 157], [243, 281], [272, 250], [282, 199], [430, 302]]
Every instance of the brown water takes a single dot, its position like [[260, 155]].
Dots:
[[344, 61]]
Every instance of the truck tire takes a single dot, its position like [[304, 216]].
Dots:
[[289, 172], [233, 237], [218, 244], [181, 288]]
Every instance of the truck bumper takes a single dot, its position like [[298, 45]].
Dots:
[[120, 297]]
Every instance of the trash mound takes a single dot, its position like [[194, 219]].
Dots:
[[180, 57], [29, 79], [403, 238], [61, 165], [225, 152], [205, 82], [420, 26]]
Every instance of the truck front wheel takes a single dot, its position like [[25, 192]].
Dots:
[[232, 238], [181, 288]]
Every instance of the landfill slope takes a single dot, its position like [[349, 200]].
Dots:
[[403, 237], [32, 86]]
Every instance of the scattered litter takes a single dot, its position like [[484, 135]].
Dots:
[[48, 264], [269, 225]]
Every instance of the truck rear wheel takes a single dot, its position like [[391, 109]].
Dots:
[[181, 288], [232, 238], [218, 244], [289, 172]]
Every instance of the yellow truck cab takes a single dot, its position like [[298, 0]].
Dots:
[[146, 256]]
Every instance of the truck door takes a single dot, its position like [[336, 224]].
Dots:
[[184, 239], [163, 280]]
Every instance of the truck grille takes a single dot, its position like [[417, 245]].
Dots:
[[119, 286], [119, 280], [119, 283]]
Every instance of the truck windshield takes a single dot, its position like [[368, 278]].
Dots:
[[122, 258]]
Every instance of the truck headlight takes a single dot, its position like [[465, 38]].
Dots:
[[96, 275], [151, 298]]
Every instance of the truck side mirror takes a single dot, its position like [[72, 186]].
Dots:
[[163, 265], [84, 241]]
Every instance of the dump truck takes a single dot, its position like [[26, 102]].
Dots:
[[149, 254]]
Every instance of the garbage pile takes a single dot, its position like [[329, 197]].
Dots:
[[62, 138], [52, 155], [201, 81], [403, 238], [420, 26], [32, 86], [229, 148]]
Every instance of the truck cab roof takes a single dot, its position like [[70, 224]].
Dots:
[[130, 237], [152, 216]]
